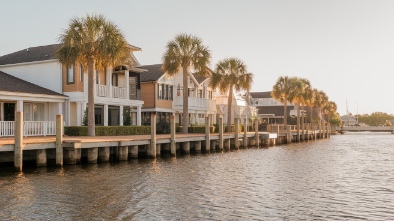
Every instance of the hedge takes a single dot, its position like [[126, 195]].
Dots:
[[240, 128], [108, 130], [196, 129]]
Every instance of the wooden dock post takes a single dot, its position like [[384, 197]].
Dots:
[[288, 134], [158, 150], [221, 133], [152, 148], [236, 140], [186, 147], [133, 152], [245, 140], [207, 135], [41, 158], [213, 145], [92, 155], [256, 132], [103, 154], [173, 142], [123, 153], [59, 140], [226, 144], [18, 149], [197, 146]]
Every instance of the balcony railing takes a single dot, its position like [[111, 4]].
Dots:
[[102, 90], [30, 128], [196, 103], [119, 92]]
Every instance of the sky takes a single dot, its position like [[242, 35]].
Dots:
[[343, 47]]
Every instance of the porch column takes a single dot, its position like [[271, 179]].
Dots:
[[67, 112], [80, 114], [19, 106], [105, 114], [127, 83], [109, 81], [139, 116], [121, 115]]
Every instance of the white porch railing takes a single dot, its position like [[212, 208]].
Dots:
[[119, 92], [30, 128], [196, 103], [6, 128], [102, 90]]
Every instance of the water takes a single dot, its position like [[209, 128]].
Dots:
[[347, 177]]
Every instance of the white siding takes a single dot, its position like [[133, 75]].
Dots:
[[46, 74]]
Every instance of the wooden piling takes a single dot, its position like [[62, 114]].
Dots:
[[59, 140], [92, 155], [245, 140], [41, 158], [123, 153], [18, 149], [186, 147], [173, 142], [152, 150], [207, 136], [158, 150], [236, 140], [103, 154], [220, 133], [256, 133], [133, 152]]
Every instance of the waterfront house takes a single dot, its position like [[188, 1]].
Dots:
[[38, 104], [269, 110], [162, 95], [117, 90], [239, 109]]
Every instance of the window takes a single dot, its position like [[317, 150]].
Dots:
[[159, 91], [190, 92], [98, 115], [164, 92], [81, 73], [179, 90], [199, 93], [170, 93], [70, 74]]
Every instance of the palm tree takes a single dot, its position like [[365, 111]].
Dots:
[[183, 53], [281, 93], [94, 42], [320, 101], [330, 109], [231, 76], [298, 86]]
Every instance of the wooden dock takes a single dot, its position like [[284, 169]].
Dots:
[[70, 150]]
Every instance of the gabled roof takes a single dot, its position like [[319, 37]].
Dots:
[[266, 94], [199, 79], [41, 53], [10, 83], [153, 72]]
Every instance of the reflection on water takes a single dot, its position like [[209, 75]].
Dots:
[[346, 177]]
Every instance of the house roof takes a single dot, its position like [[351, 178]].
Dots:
[[10, 83], [153, 72], [199, 79], [40, 53], [266, 94]]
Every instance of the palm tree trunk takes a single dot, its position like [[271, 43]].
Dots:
[[91, 123], [185, 114], [311, 115], [229, 108]]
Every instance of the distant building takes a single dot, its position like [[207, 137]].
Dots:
[[349, 120], [268, 109]]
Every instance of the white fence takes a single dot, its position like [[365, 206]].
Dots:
[[119, 92], [196, 103], [30, 128]]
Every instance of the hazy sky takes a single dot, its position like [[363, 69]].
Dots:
[[344, 47]]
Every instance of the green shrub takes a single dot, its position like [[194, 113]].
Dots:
[[108, 130], [196, 129]]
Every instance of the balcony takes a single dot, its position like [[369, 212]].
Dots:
[[116, 92], [195, 103]]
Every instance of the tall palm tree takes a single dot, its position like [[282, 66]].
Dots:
[[330, 109], [281, 93], [186, 52], [231, 76], [320, 101], [299, 86], [94, 42]]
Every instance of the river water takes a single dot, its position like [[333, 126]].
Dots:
[[347, 177]]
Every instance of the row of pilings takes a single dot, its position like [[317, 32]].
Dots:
[[69, 151]]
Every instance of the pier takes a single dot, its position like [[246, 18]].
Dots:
[[70, 149]]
